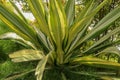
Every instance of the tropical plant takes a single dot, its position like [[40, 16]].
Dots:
[[60, 39]]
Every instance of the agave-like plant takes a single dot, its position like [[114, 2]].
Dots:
[[59, 38]]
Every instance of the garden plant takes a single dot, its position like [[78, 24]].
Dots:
[[62, 40]]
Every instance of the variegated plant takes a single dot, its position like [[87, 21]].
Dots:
[[59, 37]]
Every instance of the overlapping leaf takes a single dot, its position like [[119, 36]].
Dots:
[[16, 23], [57, 25], [81, 21], [38, 9], [41, 67], [104, 38], [103, 24]]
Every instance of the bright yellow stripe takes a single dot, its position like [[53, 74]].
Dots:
[[62, 19], [13, 27]]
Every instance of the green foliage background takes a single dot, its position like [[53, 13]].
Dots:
[[7, 67]]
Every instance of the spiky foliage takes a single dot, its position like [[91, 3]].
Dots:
[[60, 39]]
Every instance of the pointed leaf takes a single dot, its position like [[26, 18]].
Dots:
[[17, 38], [57, 26], [103, 24], [26, 55], [103, 46], [11, 35], [79, 25], [113, 50], [83, 20], [104, 38], [70, 11], [96, 62], [18, 11], [41, 67], [16, 23], [42, 38], [38, 9]]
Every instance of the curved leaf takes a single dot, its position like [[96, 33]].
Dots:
[[116, 30], [96, 62], [79, 25], [38, 9], [17, 38], [16, 23], [113, 50], [18, 11], [103, 24], [41, 67]]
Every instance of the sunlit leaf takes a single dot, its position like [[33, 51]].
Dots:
[[18, 11], [17, 38], [26, 55], [38, 10], [41, 67], [96, 62]]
